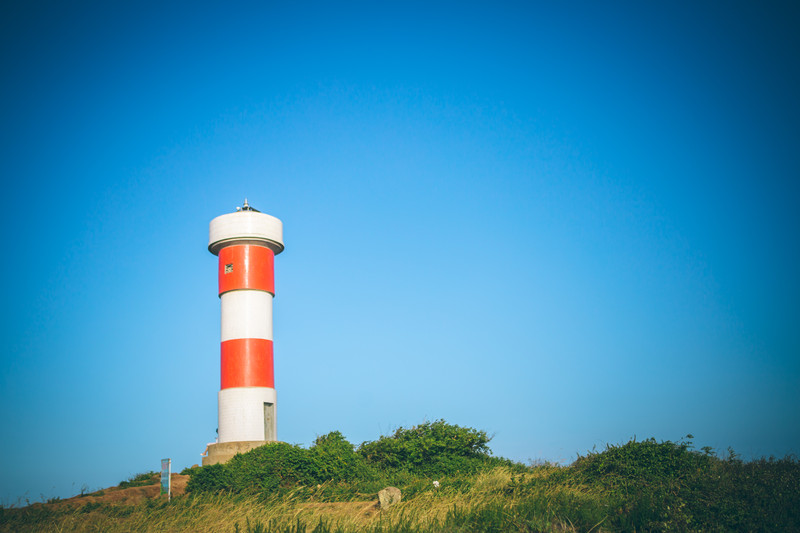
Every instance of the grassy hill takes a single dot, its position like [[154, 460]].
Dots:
[[332, 485]]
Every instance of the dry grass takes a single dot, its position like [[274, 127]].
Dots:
[[639, 486], [219, 513]]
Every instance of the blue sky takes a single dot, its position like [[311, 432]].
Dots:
[[567, 224]]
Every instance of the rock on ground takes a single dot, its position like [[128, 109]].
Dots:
[[389, 496]]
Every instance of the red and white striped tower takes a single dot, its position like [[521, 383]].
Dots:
[[246, 242]]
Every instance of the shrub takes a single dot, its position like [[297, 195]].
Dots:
[[667, 486], [648, 482], [748, 496], [212, 478], [280, 465], [271, 466], [140, 480], [431, 448], [335, 459], [188, 470], [646, 461]]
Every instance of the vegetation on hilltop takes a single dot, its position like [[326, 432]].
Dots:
[[330, 487], [428, 449], [140, 480]]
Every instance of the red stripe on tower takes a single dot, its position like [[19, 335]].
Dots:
[[246, 363], [246, 266]]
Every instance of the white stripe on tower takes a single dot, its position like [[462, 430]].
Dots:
[[246, 314]]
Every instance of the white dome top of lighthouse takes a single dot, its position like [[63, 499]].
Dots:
[[246, 225]]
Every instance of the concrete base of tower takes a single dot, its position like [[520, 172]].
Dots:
[[222, 452]]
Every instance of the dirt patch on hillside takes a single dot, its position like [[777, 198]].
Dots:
[[129, 496]]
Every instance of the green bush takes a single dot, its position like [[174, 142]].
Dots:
[[188, 470], [335, 459], [431, 448], [271, 466], [748, 496], [139, 480], [647, 482], [646, 461], [279, 465], [663, 486], [212, 478]]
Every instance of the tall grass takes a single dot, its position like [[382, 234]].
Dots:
[[331, 488], [474, 503]]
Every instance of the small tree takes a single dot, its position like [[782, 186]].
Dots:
[[431, 447]]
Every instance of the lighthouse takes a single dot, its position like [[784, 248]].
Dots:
[[246, 243]]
